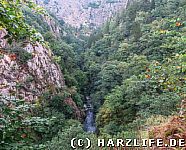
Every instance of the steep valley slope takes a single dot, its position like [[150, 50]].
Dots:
[[91, 13]]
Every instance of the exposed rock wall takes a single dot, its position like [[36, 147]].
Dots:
[[84, 12], [52, 25], [31, 79], [78, 113]]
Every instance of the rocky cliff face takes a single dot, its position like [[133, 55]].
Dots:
[[53, 27], [31, 79], [84, 12]]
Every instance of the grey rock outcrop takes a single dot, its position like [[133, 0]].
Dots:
[[84, 12], [31, 79]]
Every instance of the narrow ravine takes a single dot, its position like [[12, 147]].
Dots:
[[89, 124]]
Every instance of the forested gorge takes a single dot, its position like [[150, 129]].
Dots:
[[133, 68]]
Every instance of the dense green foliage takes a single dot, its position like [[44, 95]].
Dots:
[[19, 127], [38, 123], [136, 64], [134, 69], [12, 19]]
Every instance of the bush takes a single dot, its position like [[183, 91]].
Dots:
[[21, 55], [18, 127]]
